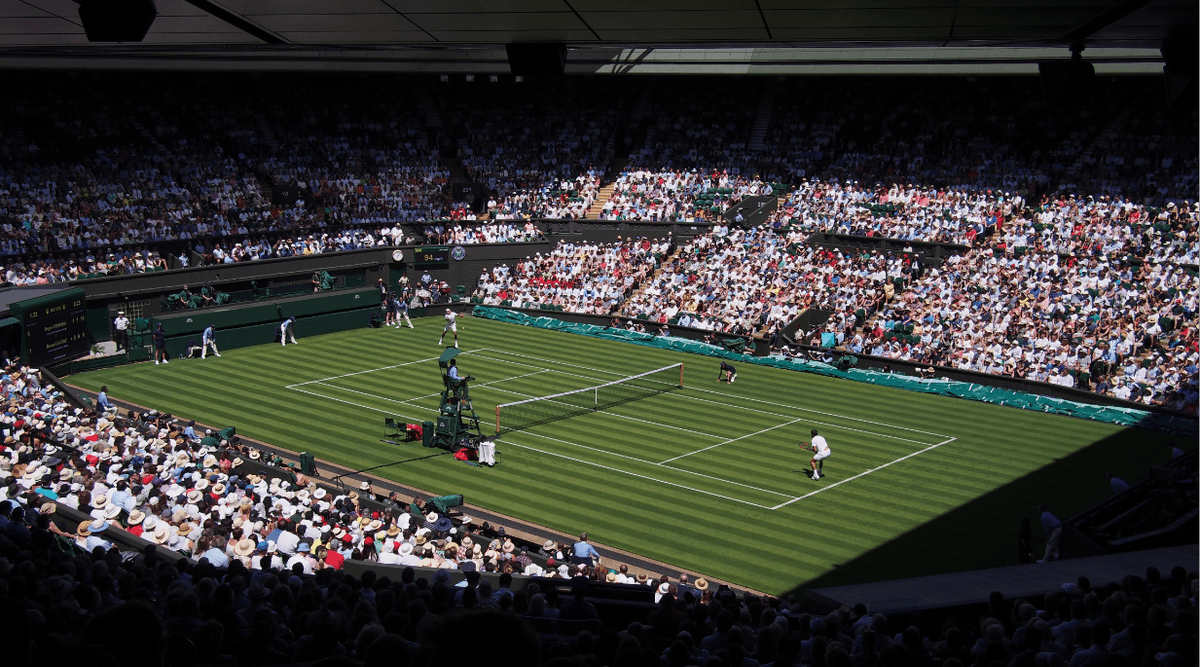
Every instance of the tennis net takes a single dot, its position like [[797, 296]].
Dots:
[[543, 409]]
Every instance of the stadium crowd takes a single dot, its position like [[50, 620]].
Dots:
[[540, 149], [746, 281], [1081, 223], [579, 277], [266, 584]]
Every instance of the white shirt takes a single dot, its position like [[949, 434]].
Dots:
[[450, 318], [818, 442], [122, 323]]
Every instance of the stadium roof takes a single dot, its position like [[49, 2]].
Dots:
[[611, 36]]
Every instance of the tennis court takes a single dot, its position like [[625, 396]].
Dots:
[[702, 441], [707, 477]]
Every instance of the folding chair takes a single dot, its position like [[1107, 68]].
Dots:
[[390, 428]]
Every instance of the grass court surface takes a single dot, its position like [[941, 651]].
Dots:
[[707, 478]]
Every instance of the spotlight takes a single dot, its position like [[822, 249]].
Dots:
[[519, 79], [470, 78]]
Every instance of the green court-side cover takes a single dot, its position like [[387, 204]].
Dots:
[[976, 392]]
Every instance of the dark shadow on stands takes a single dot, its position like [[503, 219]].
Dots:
[[951, 542]]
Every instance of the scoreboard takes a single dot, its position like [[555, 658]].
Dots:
[[431, 258], [54, 327]]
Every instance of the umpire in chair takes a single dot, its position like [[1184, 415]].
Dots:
[[457, 383]]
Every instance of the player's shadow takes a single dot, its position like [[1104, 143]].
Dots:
[[983, 533]]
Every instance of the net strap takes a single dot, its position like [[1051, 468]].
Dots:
[[595, 388]]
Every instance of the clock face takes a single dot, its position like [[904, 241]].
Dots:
[[398, 255]]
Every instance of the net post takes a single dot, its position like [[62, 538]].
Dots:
[[497, 420], [681, 376]]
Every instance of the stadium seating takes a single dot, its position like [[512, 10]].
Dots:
[[1090, 200]]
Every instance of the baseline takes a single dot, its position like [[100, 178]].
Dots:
[[862, 474]]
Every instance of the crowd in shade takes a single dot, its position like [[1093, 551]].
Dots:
[[579, 277], [540, 149], [80, 265]]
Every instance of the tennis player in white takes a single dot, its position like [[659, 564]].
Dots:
[[451, 325], [821, 452]]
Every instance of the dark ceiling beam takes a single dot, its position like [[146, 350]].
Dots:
[[763, 15], [236, 21], [585, 23], [1105, 19]]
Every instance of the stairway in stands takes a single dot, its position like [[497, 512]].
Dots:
[[667, 262], [762, 119], [633, 125], [597, 206]]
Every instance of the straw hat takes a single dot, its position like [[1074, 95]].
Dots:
[[194, 496], [701, 584], [244, 547], [48, 508], [136, 517], [82, 530], [99, 502], [160, 534]]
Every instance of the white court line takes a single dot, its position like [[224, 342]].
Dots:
[[643, 421], [357, 405], [688, 488], [603, 451], [653, 463], [751, 435], [740, 407], [295, 387], [634, 474], [867, 472], [372, 370], [721, 393], [477, 386]]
